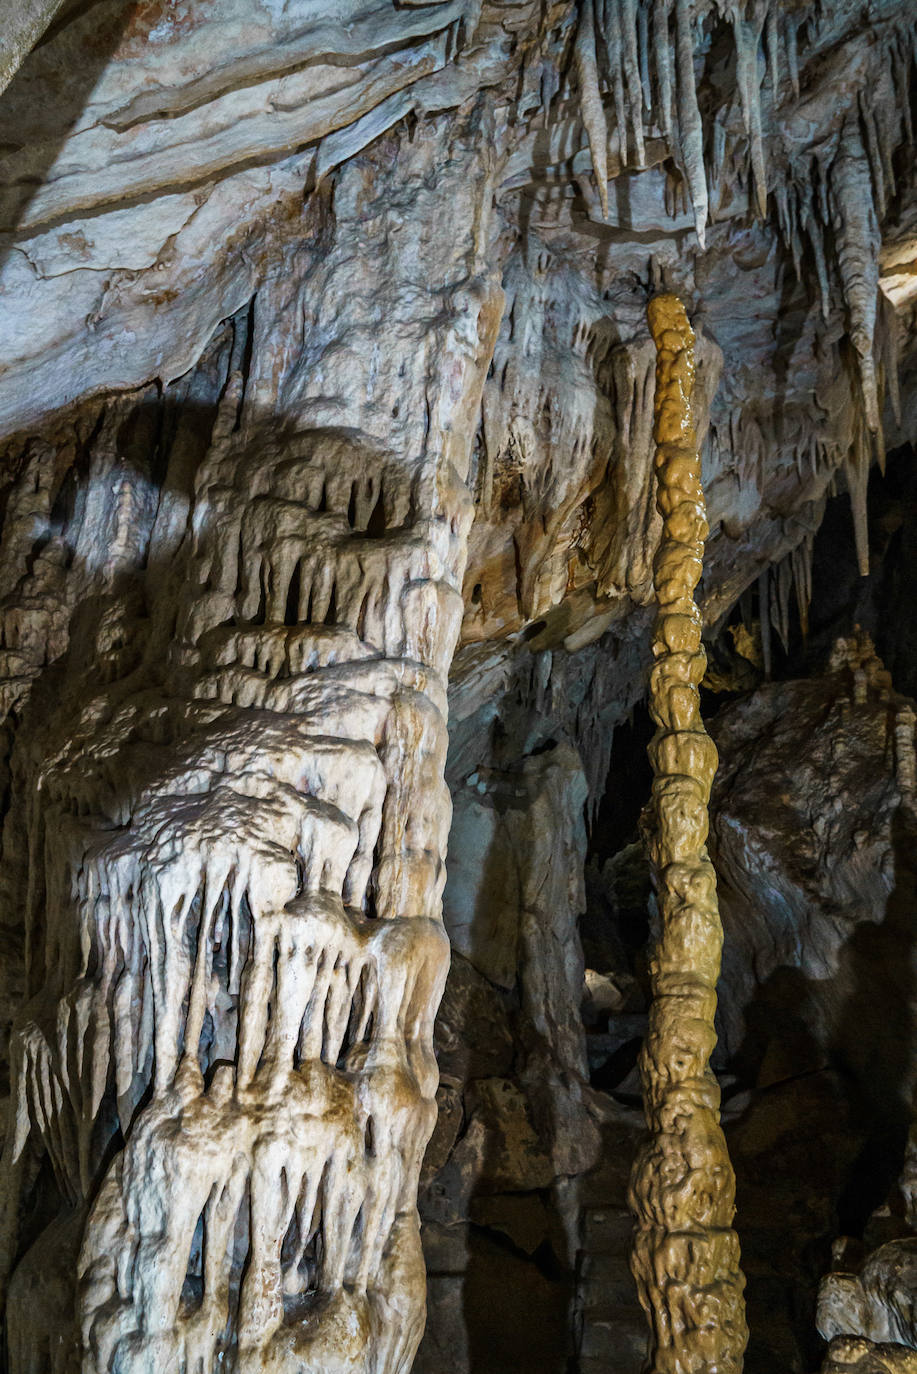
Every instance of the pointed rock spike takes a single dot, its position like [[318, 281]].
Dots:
[[591, 108], [690, 129]]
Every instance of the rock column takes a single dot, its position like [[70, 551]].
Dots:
[[224, 1079], [686, 1254]]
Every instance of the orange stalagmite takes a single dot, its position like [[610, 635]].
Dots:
[[686, 1254]]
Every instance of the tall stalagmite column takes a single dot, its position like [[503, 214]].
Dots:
[[686, 1254]]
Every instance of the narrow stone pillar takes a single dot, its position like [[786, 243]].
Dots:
[[686, 1254]]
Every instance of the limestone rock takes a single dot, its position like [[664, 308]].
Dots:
[[878, 1302], [473, 1037], [812, 864], [848, 1355], [322, 350], [226, 1053]]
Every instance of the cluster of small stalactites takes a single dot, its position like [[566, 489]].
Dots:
[[226, 961], [686, 1254], [638, 56], [330, 538], [239, 940]]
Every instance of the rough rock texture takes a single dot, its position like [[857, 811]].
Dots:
[[518, 1122], [809, 847], [812, 838], [851, 1356], [20, 28], [255, 383]]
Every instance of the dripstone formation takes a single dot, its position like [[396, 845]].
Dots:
[[328, 500], [234, 942], [686, 1254]]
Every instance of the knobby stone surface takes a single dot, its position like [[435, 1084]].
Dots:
[[686, 1254]]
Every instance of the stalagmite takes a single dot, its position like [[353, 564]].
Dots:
[[686, 1254], [905, 760]]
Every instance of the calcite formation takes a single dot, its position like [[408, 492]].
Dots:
[[271, 442], [876, 1303], [20, 28], [686, 1254], [234, 945]]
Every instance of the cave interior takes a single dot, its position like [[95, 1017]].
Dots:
[[426, 425]]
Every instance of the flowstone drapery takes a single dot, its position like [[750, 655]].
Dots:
[[686, 1255], [235, 948]]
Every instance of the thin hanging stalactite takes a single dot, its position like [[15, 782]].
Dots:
[[748, 41], [858, 244], [690, 126], [686, 1254], [591, 102]]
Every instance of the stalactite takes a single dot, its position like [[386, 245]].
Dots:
[[764, 621], [686, 1254], [662, 51], [792, 52], [887, 328], [857, 470], [632, 76], [614, 57], [874, 156], [858, 242], [781, 603], [815, 233], [643, 46], [802, 578], [592, 110], [690, 127], [716, 165], [772, 38], [747, 40]]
